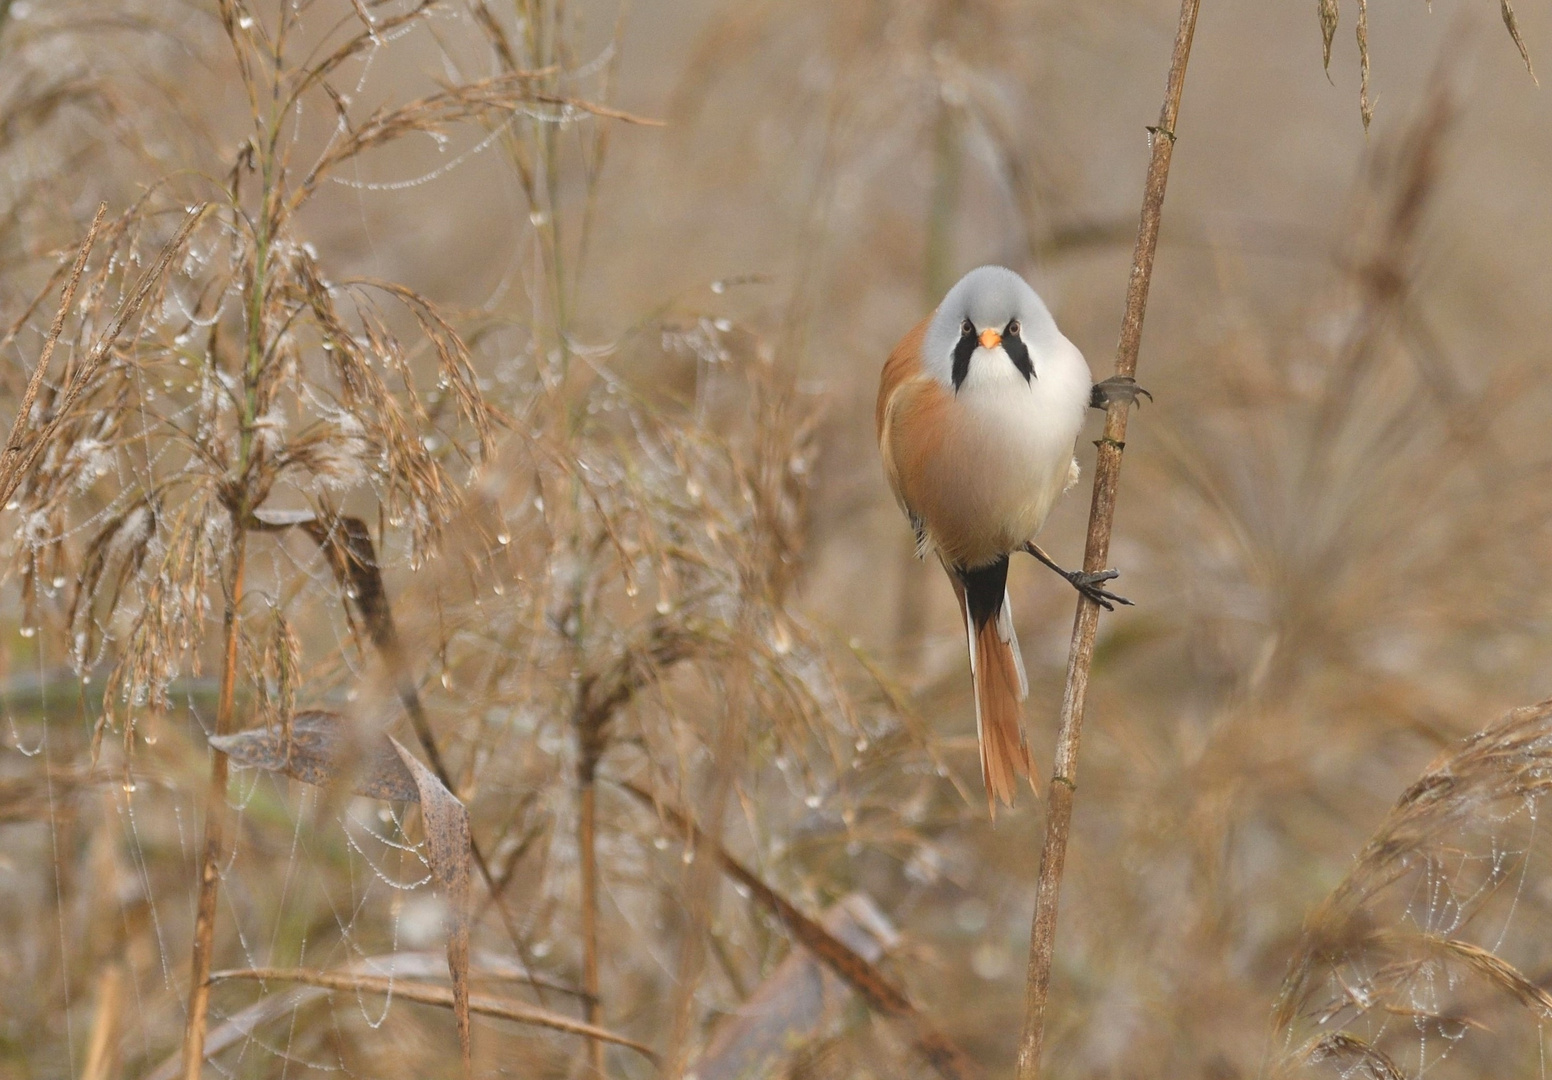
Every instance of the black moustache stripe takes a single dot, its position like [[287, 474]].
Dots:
[[964, 348], [1018, 352]]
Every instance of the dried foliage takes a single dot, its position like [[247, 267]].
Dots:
[[1330, 12], [482, 471], [1416, 964]]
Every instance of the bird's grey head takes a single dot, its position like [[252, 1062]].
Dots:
[[991, 316]]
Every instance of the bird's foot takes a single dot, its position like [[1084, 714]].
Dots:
[[1085, 583], [1117, 388], [1089, 586]]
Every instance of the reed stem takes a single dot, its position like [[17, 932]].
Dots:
[[1107, 473]]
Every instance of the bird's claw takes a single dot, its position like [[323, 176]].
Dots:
[[1089, 586], [1117, 388]]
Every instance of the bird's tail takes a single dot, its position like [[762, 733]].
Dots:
[[997, 672]]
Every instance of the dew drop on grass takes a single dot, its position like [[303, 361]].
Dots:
[[664, 607], [58, 581], [631, 589], [811, 801], [661, 843], [246, 22], [503, 539], [28, 631]]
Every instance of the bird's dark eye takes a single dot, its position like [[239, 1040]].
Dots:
[[967, 329], [1013, 328]]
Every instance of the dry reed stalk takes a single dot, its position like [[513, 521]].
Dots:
[[105, 1024], [215, 826], [855, 970], [431, 994], [1107, 473], [701, 888]]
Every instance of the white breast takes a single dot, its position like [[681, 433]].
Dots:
[[1010, 452]]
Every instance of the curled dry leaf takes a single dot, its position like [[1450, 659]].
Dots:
[[447, 846], [320, 751], [323, 750]]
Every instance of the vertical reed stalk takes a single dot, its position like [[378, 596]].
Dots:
[[215, 826], [1107, 472], [587, 845]]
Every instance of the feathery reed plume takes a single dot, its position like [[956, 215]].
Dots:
[[1428, 958]]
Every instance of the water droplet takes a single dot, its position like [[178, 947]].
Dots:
[[539, 503], [812, 802], [631, 589], [129, 787], [447, 681], [503, 539], [500, 589], [688, 857], [661, 843], [664, 607], [246, 22], [862, 745], [723, 325], [719, 287], [28, 631], [59, 581]]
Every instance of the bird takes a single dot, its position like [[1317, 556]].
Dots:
[[979, 409]]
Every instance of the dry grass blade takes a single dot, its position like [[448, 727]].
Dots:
[[105, 1023], [15, 459], [1512, 25], [871, 985], [1330, 14], [1362, 34], [1497, 971], [447, 849], [1107, 472], [1353, 1053], [427, 994]]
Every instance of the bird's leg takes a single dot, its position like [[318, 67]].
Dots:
[[1116, 388], [1087, 584]]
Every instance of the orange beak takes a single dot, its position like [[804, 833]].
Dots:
[[990, 338]]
